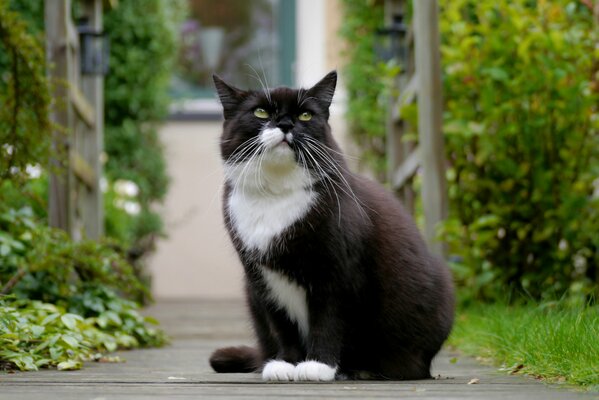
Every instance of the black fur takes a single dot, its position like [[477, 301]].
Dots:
[[380, 304]]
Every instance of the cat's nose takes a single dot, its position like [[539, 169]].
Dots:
[[285, 124]]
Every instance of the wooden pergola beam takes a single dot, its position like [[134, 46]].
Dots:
[[430, 111]]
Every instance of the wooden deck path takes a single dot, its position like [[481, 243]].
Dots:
[[181, 371]]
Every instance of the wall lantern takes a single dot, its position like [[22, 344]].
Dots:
[[94, 50], [390, 42]]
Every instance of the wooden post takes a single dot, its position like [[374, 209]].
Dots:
[[91, 140], [58, 50], [75, 198], [428, 67], [397, 151]]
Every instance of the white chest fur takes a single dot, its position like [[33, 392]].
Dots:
[[269, 193], [259, 219], [289, 296]]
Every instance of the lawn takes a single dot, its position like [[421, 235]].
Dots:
[[552, 342]]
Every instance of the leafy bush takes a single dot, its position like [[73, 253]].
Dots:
[[35, 334], [521, 90], [143, 50], [521, 127], [24, 98], [365, 79], [82, 284]]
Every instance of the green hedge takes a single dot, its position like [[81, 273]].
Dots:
[[24, 98], [365, 80], [521, 129], [143, 48]]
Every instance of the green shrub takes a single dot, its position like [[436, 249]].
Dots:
[[143, 51], [521, 129], [35, 334], [521, 89], [24, 99], [365, 79], [68, 299]]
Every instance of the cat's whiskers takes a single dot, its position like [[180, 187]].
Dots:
[[245, 149], [328, 160], [248, 164], [261, 189], [265, 88], [306, 99], [327, 180]]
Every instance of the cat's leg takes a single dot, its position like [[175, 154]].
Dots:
[[324, 341], [267, 342], [282, 366], [276, 338]]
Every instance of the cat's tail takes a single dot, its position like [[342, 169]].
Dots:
[[236, 359]]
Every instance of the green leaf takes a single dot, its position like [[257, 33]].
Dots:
[[50, 318], [69, 365], [70, 320], [70, 341]]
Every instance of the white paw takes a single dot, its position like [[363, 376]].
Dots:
[[314, 371], [276, 370]]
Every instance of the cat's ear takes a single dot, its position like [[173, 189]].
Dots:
[[230, 97], [324, 90]]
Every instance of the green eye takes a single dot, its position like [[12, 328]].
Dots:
[[261, 113], [305, 116]]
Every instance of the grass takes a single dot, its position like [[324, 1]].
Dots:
[[555, 343]]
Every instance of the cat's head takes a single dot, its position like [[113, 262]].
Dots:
[[280, 123]]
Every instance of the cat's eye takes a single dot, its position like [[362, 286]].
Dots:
[[305, 116], [261, 113]]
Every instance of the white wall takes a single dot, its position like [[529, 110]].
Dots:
[[196, 259], [310, 42]]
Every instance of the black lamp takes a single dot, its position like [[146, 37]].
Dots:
[[391, 44], [94, 50]]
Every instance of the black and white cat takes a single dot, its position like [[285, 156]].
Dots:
[[339, 281]]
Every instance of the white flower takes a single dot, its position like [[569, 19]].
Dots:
[[126, 188], [501, 233], [130, 207], [8, 148], [563, 245], [34, 171]]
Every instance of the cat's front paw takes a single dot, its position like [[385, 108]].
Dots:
[[276, 370], [314, 371]]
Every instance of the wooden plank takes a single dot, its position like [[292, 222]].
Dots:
[[407, 96], [197, 327], [72, 37], [392, 127], [61, 213], [83, 170], [83, 108], [430, 108], [407, 169], [91, 142]]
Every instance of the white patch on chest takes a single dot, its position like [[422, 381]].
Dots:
[[269, 193], [289, 296]]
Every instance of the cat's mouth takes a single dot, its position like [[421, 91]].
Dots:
[[284, 143]]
